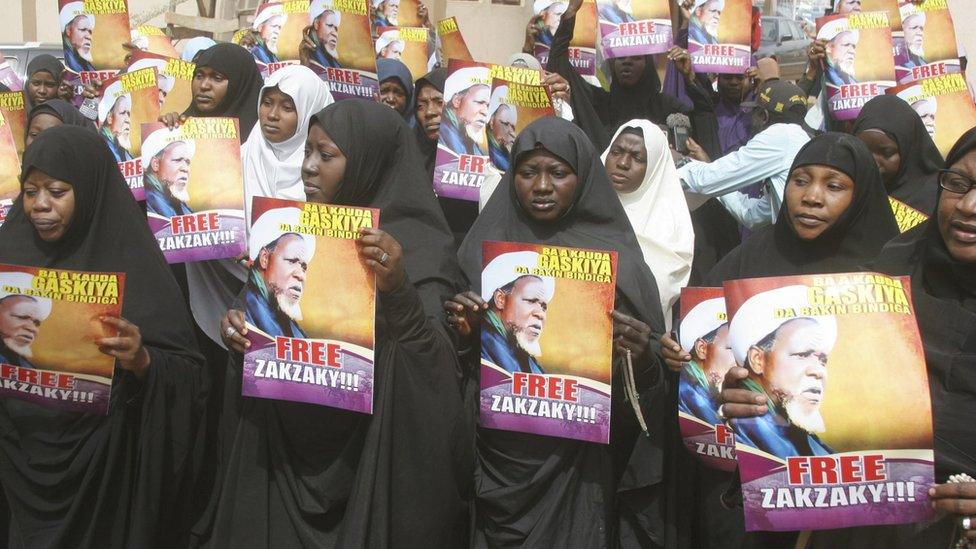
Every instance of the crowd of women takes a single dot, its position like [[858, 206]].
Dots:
[[182, 459]]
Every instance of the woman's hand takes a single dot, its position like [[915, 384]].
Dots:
[[91, 89], [557, 85], [572, 9], [674, 356], [172, 120], [383, 255], [233, 331], [531, 35], [816, 54], [126, 347], [682, 62], [464, 312], [958, 498], [736, 402], [630, 334], [697, 152]]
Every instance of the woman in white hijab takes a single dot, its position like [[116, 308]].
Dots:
[[273, 153], [642, 172], [272, 158]]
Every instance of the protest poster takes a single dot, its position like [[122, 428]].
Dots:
[[51, 321], [153, 40], [859, 64], [173, 78], [512, 107], [196, 212], [582, 48], [92, 33], [906, 216], [406, 44], [8, 76], [720, 36], [311, 341], [453, 45], [703, 332], [128, 101], [929, 41], [395, 13], [277, 31], [634, 27], [831, 451], [344, 53], [9, 164], [944, 104], [462, 148], [546, 366], [13, 106]]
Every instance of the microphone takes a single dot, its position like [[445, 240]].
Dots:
[[679, 130]]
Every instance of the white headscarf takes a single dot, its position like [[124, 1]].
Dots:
[[659, 214], [275, 169]]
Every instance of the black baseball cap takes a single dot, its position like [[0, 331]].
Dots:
[[778, 96]]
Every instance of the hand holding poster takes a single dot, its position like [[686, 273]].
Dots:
[[839, 360], [582, 47], [195, 214], [452, 42], [277, 30], [720, 36], [14, 110], [512, 107], [128, 101], [173, 77], [92, 32], [859, 64], [311, 340], [344, 55], [406, 44], [944, 104], [930, 41], [8, 76], [704, 334], [50, 321], [629, 27], [547, 340]]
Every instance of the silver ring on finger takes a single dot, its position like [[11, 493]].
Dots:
[[384, 257], [230, 331], [721, 412], [966, 523]]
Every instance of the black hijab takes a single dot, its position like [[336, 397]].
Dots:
[[44, 63], [243, 88], [916, 182], [428, 147], [134, 467], [640, 100], [387, 69], [384, 170], [63, 111], [854, 239]]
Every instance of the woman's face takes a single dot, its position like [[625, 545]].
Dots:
[[628, 70], [957, 214], [886, 153], [545, 185], [816, 197], [41, 87], [209, 88], [49, 204], [627, 162], [393, 94], [323, 167], [277, 115], [41, 122]]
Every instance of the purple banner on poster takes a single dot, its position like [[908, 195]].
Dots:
[[845, 101], [720, 58], [348, 83], [504, 405], [582, 59], [714, 445], [459, 176], [837, 490], [132, 173], [636, 37], [85, 395], [214, 234], [325, 372], [906, 72]]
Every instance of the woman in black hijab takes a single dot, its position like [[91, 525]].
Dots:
[[43, 79], [121, 480], [427, 114], [226, 82], [905, 153], [396, 86], [940, 257], [537, 491], [297, 474], [56, 112]]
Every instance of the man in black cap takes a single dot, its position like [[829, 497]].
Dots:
[[778, 134]]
